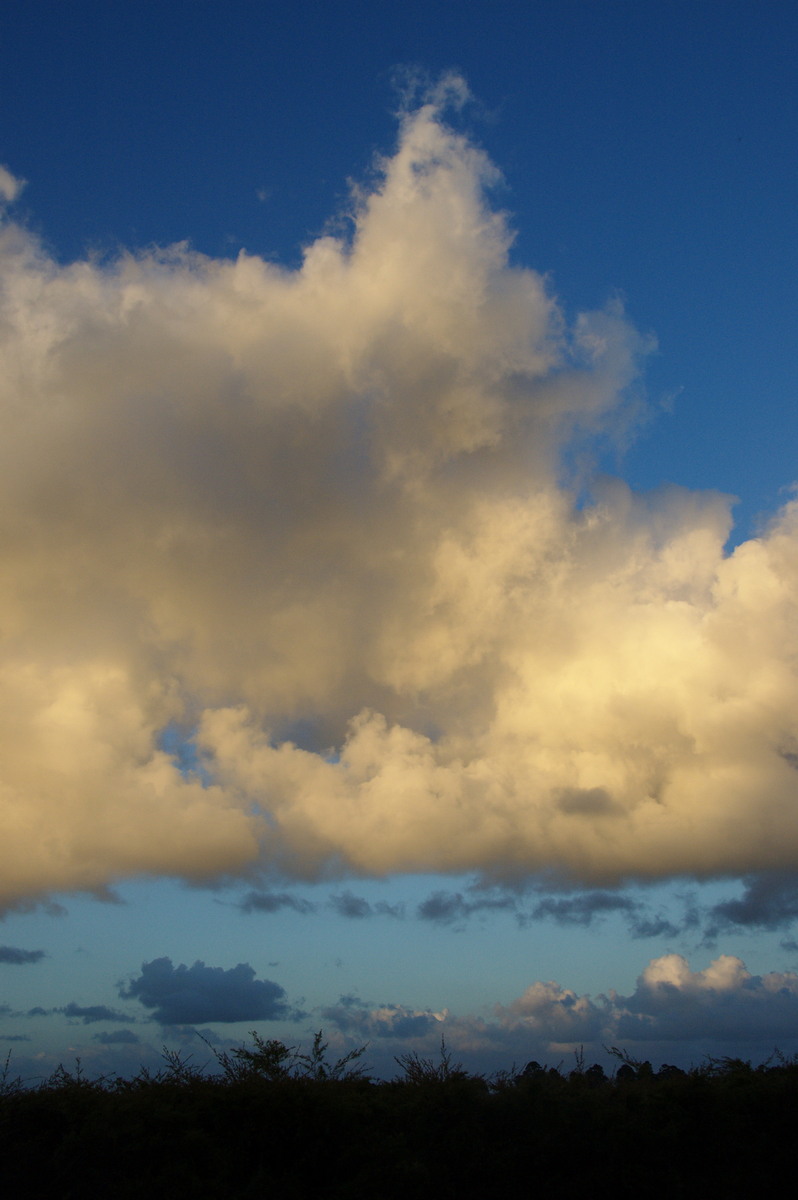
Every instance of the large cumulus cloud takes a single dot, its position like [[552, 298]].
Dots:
[[246, 502]]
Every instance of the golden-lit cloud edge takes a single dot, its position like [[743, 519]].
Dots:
[[319, 521]]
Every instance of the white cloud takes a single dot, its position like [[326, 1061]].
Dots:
[[240, 498], [10, 186]]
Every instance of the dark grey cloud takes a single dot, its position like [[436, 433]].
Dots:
[[581, 909], [193, 995], [448, 908], [13, 954], [347, 904], [651, 927], [585, 907], [769, 901], [271, 902], [90, 1014], [118, 1037]]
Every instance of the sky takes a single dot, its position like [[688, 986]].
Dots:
[[399, 545]]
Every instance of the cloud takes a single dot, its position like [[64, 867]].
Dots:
[[365, 1020], [191, 995], [118, 1037], [674, 1014], [89, 1014], [768, 902], [724, 1001], [271, 902], [446, 908], [346, 904], [238, 501], [12, 954], [10, 186], [582, 909], [585, 908]]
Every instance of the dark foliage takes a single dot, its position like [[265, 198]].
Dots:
[[276, 1122]]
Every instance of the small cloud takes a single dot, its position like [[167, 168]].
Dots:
[[89, 1014], [582, 909], [118, 1037], [651, 927], [354, 1016], [447, 908], [12, 954], [346, 904], [770, 901], [194, 995], [271, 902], [10, 185]]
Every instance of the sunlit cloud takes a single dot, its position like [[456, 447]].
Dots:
[[319, 520]]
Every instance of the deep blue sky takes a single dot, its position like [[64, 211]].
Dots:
[[648, 151]]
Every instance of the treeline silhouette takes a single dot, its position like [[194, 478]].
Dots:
[[275, 1122]]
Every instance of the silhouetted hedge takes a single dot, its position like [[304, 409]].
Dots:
[[288, 1125]]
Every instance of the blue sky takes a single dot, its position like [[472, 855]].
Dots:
[[332, 643]]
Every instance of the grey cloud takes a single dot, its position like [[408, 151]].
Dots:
[[193, 995], [448, 908], [769, 901], [673, 1014], [12, 954], [90, 1014], [723, 1002], [367, 1020], [118, 1037], [641, 926], [582, 909], [588, 801], [271, 902], [347, 904]]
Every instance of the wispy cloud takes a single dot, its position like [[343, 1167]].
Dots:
[[19, 957], [449, 908], [236, 499], [347, 904], [118, 1037], [272, 902], [88, 1014]]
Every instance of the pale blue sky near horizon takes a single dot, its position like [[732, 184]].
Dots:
[[649, 150]]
